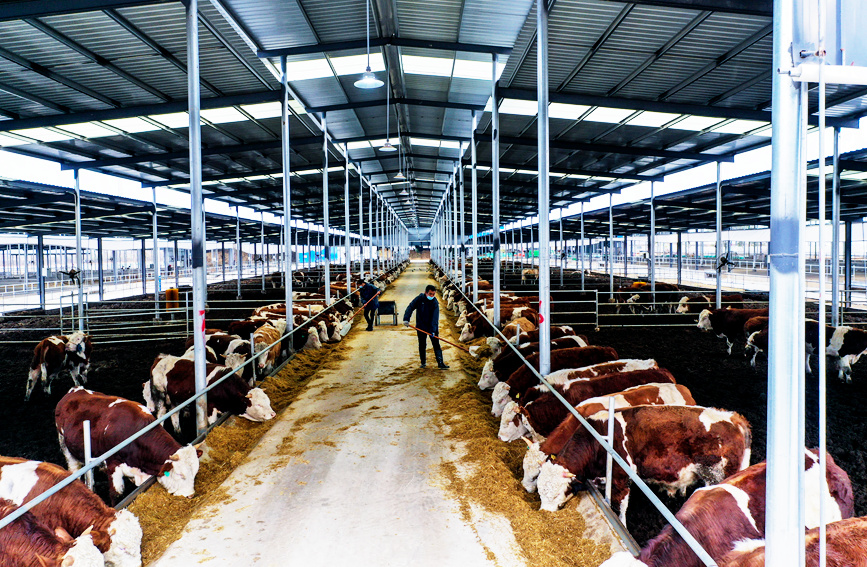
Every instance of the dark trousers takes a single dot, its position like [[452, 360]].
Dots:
[[422, 348], [369, 315]]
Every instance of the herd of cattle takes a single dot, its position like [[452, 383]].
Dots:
[[666, 437], [74, 527]]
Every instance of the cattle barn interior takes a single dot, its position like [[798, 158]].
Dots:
[[220, 217]]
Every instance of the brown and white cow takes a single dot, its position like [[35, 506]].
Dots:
[[529, 274], [848, 344], [757, 340], [514, 328], [646, 394], [700, 303], [263, 337], [27, 542], [846, 546], [113, 420], [223, 344], [173, 381], [674, 447], [542, 412], [523, 378], [499, 368], [728, 515], [728, 323], [75, 508], [55, 354]]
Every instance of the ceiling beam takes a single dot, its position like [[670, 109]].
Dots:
[[381, 42], [41, 8], [614, 149], [569, 171], [748, 7], [404, 101]]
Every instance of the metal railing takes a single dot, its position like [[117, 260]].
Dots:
[[607, 446]]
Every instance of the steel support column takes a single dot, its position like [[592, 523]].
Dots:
[[370, 228], [835, 232], [474, 196], [325, 219], [582, 245], [360, 221], [651, 252], [542, 152], [240, 254], [144, 267], [78, 260], [346, 239], [847, 263], [679, 259], [611, 245], [99, 271], [177, 265], [40, 270], [156, 250], [718, 235], [495, 197], [462, 221], [784, 524]]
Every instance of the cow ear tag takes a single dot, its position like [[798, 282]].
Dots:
[[167, 473]]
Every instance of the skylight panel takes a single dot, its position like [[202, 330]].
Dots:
[[131, 125], [426, 142], [88, 129], [609, 115], [465, 69], [420, 65], [43, 134], [11, 141], [172, 120], [306, 172], [223, 115], [264, 110], [517, 106], [740, 126], [310, 69], [450, 144], [364, 144], [356, 64], [653, 119], [696, 123], [566, 111]]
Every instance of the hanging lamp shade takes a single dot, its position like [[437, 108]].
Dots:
[[387, 147], [368, 80], [400, 175]]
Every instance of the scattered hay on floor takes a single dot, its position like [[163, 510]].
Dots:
[[163, 516], [489, 473]]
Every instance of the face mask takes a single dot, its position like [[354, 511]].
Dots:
[[429, 297]]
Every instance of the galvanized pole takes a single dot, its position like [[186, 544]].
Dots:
[[346, 239], [462, 222], [99, 269], [370, 228], [784, 527], [360, 219], [495, 180], [562, 253], [325, 219], [611, 245], [240, 257], [197, 212], [719, 233], [543, 143], [78, 260], [40, 270], [177, 267], [262, 247], [835, 232], [652, 245], [474, 196], [156, 250], [222, 257], [679, 259]]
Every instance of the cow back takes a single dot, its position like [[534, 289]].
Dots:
[[524, 378]]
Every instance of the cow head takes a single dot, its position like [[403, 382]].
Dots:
[[76, 343], [704, 320], [336, 335], [178, 474], [554, 486], [462, 320], [489, 378], [235, 360], [313, 341], [499, 398], [511, 425], [83, 552], [323, 331], [258, 406], [682, 306], [533, 460], [126, 534], [496, 346], [466, 333], [623, 559]]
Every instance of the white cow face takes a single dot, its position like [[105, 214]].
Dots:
[[125, 533], [553, 486], [496, 346], [323, 331], [76, 342], [313, 341], [83, 553], [235, 360], [511, 426], [336, 336], [466, 334], [181, 477], [462, 320], [499, 398], [704, 321], [533, 460], [681, 305], [258, 406], [489, 378]]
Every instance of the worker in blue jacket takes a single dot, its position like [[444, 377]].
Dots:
[[367, 292], [427, 318]]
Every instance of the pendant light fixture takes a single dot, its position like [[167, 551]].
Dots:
[[368, 80], [400, 174], [387, 147]]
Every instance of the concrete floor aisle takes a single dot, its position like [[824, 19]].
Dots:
[[349, 474]]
